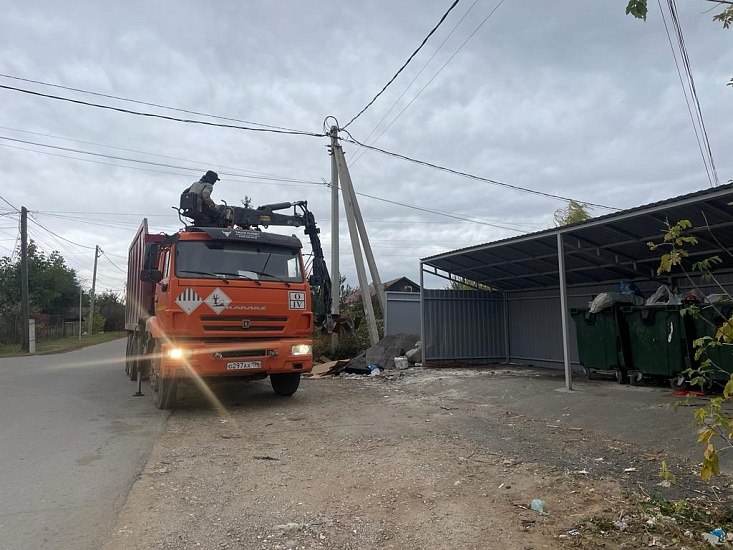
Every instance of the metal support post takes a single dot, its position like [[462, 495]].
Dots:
[[564, 311]]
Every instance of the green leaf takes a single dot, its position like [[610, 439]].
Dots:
[[637, 8]]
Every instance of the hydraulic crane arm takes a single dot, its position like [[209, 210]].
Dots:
[[265, 216]]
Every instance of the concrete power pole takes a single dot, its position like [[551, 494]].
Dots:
[[357, 230], [335, 274], [94, 284], [25, 305]]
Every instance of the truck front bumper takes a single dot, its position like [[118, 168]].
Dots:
[[187, 359]]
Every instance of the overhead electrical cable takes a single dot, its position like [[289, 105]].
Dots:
[[474, 177], [293, 181], [78, 90], [254, 174], [60, 237], [435, 28], [10, 205], [164, 117], [113, 264], [386, 114], [409, 104], [693, 91]]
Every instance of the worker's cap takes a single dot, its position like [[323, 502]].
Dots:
[[210, 177]]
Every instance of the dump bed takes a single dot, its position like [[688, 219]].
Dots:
[[140, 302]]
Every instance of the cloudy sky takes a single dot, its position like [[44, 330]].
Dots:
[[569, 98]]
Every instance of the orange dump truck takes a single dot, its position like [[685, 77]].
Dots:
[[222, 302]]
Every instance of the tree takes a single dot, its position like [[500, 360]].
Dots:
[[715, 422], [52, 286], [639, 9], [574, 212], [112, 308]]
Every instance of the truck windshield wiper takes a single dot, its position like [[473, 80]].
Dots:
[[238, 276], [209, 273], [263, 274]]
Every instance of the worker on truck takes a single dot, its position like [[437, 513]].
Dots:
[[209, 214]]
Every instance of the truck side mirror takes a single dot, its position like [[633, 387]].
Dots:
[[150, 256], [151, 275]]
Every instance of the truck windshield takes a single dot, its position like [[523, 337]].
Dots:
[[237, 260]]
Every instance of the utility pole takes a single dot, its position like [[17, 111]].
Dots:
[[335, 275], [80, 321], [357, 230], [24, 306], [94, 283]]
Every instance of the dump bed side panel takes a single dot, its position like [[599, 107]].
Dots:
[[140, 295]]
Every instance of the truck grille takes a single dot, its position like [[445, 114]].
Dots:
[[243, 323]]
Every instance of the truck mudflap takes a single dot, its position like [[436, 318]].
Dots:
[[188, 359]]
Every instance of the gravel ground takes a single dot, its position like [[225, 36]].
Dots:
[[411, 460]]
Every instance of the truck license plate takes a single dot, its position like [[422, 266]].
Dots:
[[243, 365]]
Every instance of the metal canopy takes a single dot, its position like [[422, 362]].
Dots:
[[606, 249]]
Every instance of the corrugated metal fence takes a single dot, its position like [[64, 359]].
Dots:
[[463, 325]]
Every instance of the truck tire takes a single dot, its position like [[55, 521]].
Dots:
[[285, 384], [164, 389], [164, 392], [129, 354]]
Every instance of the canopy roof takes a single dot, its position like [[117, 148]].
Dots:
[[606, 249]]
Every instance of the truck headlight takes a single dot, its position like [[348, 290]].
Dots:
[[179, 353], [301, 349]]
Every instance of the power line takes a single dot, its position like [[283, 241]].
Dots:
[[472, 176], [409, 104], [145, 103], [708, 154], [10, 205], [435, 28], [415, 78], [265, 177], [113, 264], [254, 174], [60, 237], [164, 117]]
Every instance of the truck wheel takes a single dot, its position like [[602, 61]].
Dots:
[[164, 392], [129, 354], [164, 389], [285, 384]]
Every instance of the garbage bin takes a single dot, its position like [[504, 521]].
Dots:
[[710, 318], [659, 341], [603, 341]]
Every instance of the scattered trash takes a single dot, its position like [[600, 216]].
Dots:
[[716, 536], [538, 506], [574, 532], [653, 542], [265, 458], [374, 370], [629, 470], [400, 363], [598, 459], [581, 472], [500, 486], [712, 539], [621, 525]]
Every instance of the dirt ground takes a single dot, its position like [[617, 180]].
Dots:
[[410, 460]]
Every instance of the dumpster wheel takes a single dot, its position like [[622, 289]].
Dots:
[[622, 376], [588, 373], [636, 378], [679, 382]]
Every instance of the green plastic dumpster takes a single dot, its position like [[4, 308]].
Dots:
[[659, 341], [603, 341], [706, 324]]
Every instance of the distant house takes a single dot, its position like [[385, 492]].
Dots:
[[401, 284]]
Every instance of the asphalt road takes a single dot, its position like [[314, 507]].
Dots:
[[72, 442]]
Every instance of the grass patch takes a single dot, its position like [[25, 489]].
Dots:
[[63, 345], [650, 521]]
